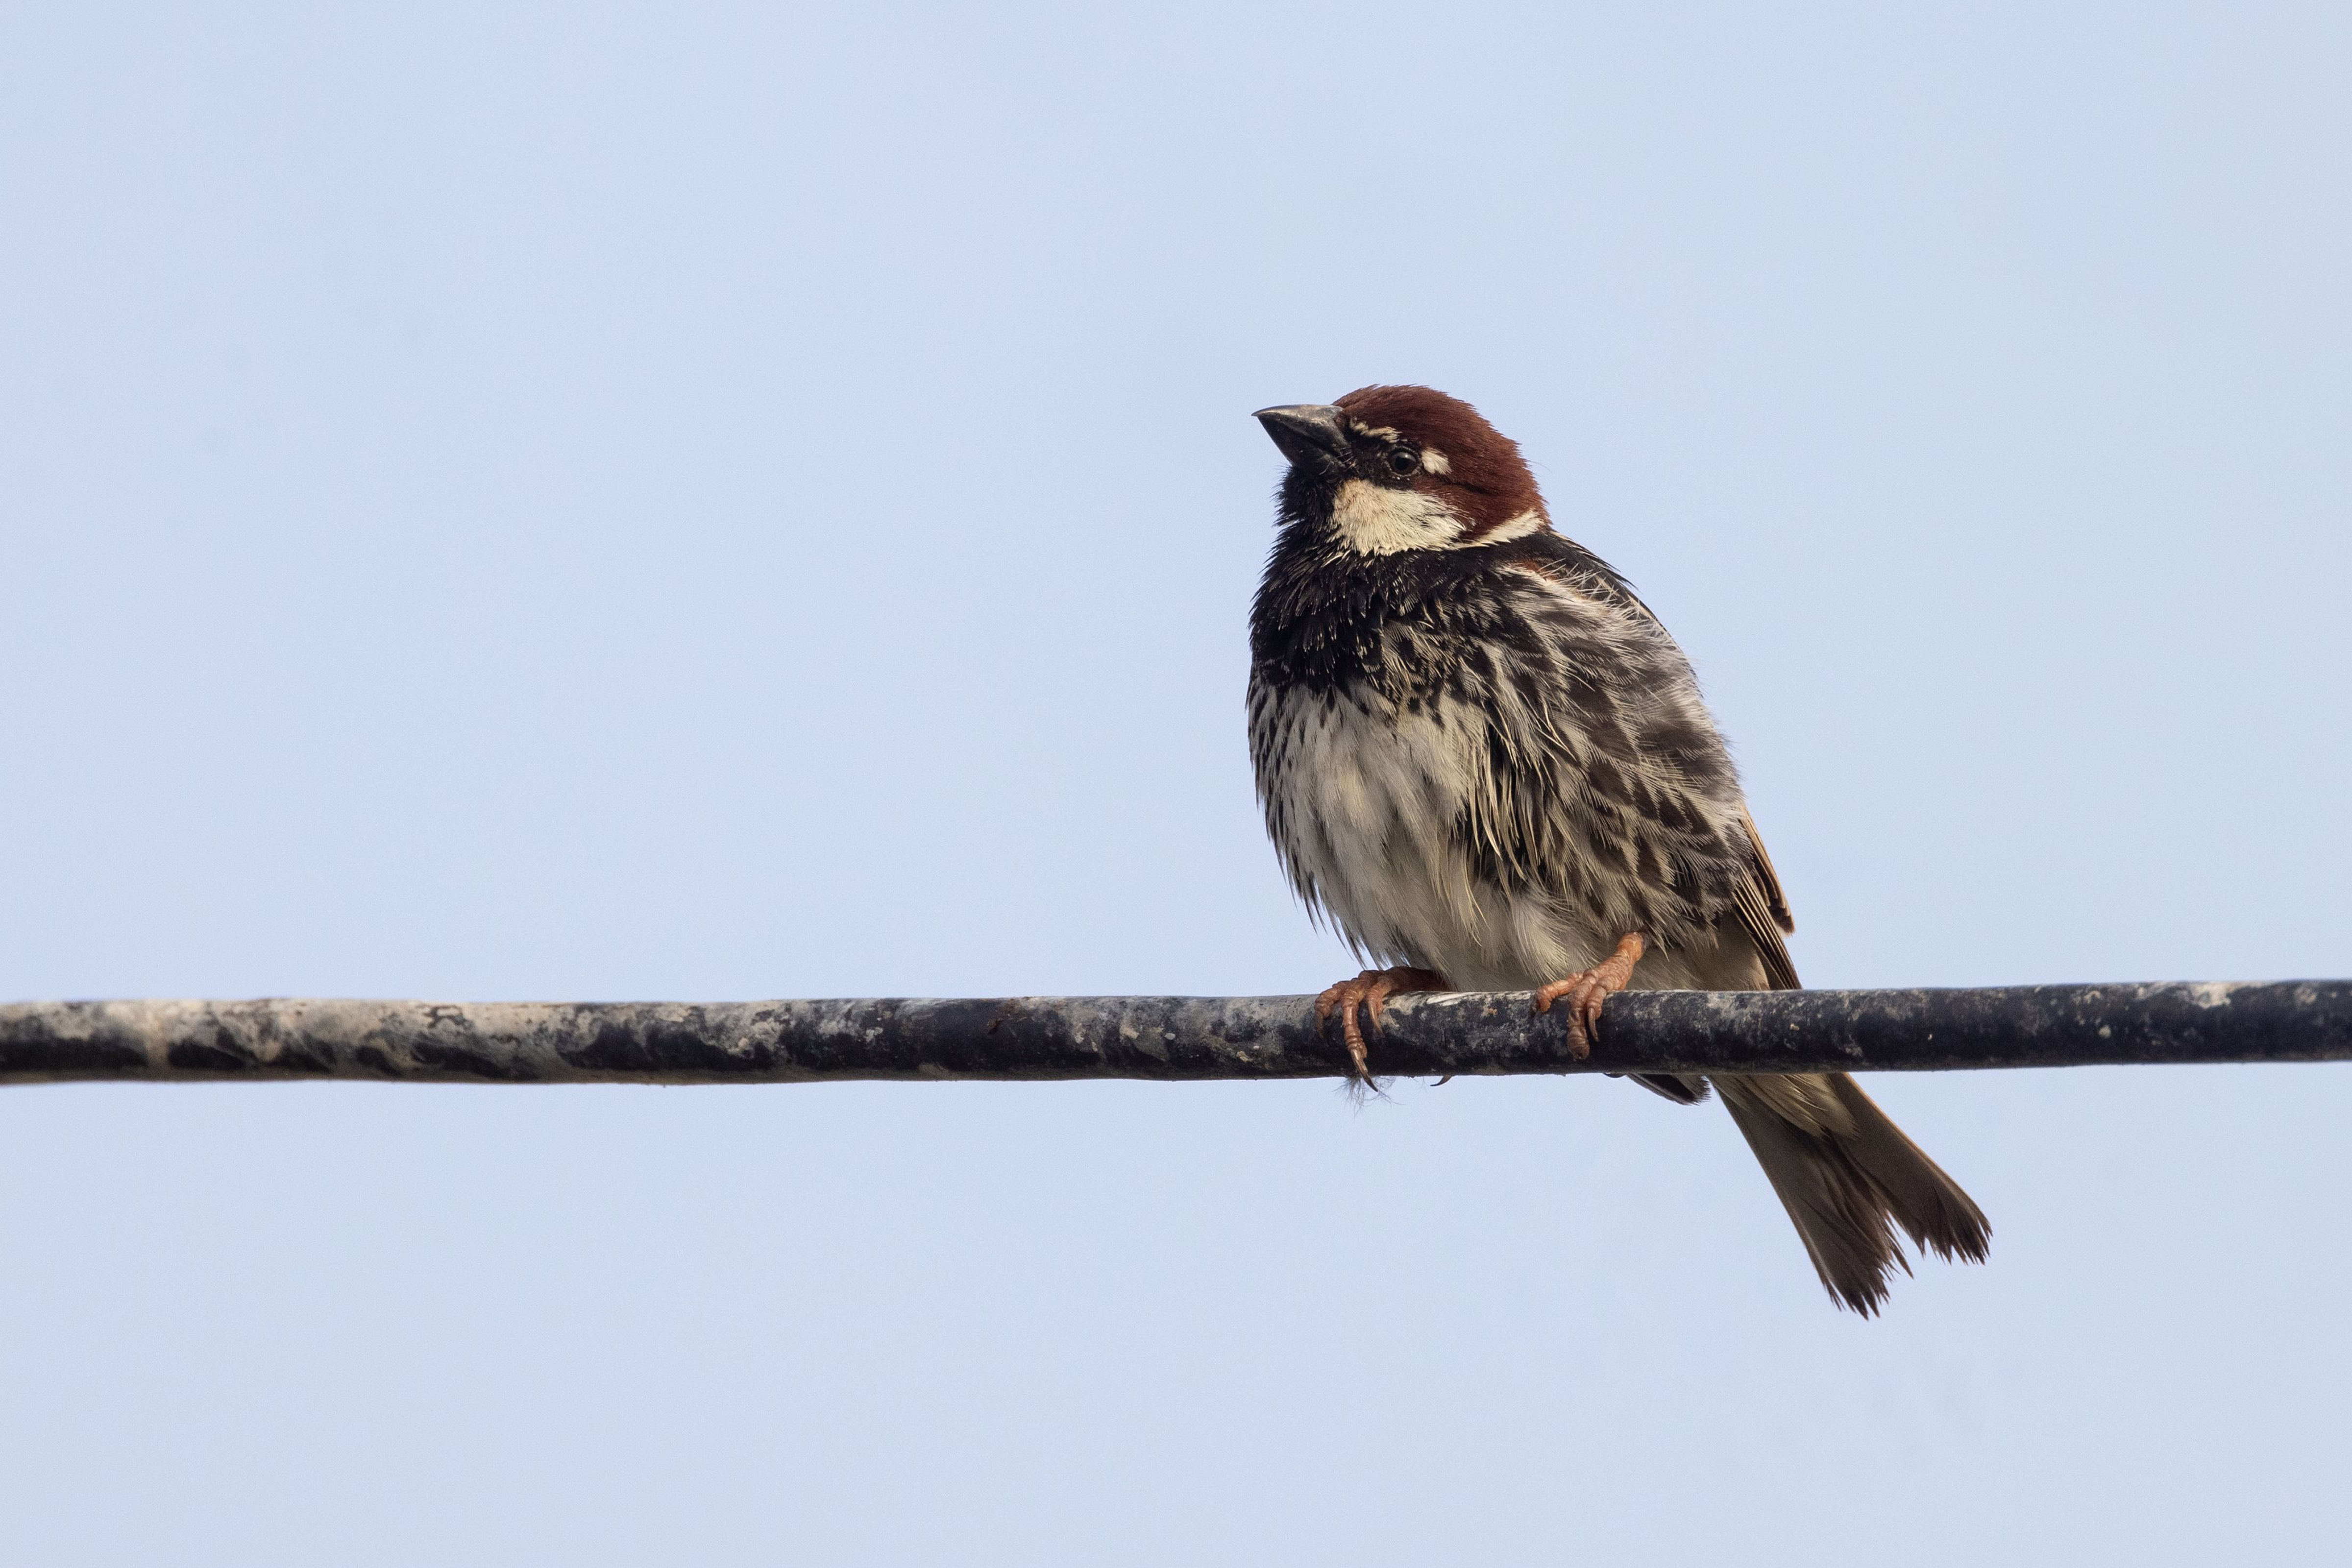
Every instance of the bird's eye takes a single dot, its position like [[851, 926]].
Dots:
[[1402, 462]]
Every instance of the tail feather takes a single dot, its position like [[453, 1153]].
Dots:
[[1929, 1205], [1848, 1176], [1681, 1088]]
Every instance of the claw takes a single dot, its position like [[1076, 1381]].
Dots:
[[1587, 990], [1369, 991]]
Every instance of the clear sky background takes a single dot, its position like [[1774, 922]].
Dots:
[[727, 502]]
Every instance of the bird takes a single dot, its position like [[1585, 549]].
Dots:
[[1486, 763]]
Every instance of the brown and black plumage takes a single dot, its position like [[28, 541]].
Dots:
[[1487, 762]]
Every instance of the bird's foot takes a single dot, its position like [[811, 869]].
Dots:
[[1370, 991], [1586, 991]]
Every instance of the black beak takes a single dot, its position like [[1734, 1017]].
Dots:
[[1309, 432]]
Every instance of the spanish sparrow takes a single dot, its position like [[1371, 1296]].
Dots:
[[1482, 756]]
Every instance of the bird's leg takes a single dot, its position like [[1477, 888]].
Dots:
[[1370, 990], [1587, 990]]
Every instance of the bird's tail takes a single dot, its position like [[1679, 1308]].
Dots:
[[1848, 1176]]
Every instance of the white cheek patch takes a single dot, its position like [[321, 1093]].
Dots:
[[1517, 527], [1376, 520]]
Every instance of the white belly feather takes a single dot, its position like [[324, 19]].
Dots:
[[1365, 800]]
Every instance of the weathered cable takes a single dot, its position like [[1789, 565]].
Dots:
[[1173, 1037]]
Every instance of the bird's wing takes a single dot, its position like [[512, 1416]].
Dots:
[[1634, 766], [1763, 911], [1761, 902]]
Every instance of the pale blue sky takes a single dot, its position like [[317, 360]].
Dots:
[[725, 502]]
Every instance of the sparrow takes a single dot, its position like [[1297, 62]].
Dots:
[[1484, 761]]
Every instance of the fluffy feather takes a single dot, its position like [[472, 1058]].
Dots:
[[1479, 753]]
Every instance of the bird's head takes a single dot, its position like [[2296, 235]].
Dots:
[[1387, 469]]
